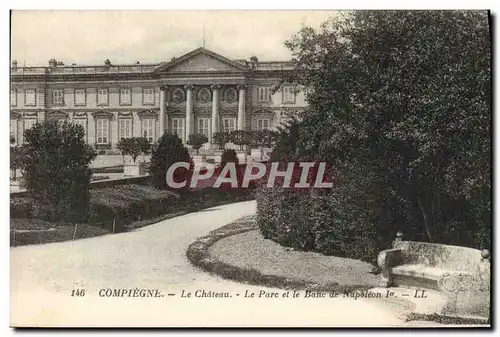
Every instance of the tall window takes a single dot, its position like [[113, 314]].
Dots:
[[125, 96], [57, 96], [148, 96], [102, 96], [13, 130], [30, 97], [263, 124], [178, 127], [203, 128], [80, 97], [83, 123], [125, 128], [264, 94], [148, 126], [229, 124], [13, 97], [102, 131], [288, 95]]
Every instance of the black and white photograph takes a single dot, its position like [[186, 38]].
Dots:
[[250, 168]]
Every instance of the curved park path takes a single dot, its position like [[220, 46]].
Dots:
[[153, 257]]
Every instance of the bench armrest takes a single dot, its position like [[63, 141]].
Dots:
[[386, 260]]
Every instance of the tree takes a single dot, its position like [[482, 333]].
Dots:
[[286, 139], [18, 160], [400, 104], [169, 150], [133, 146], [196, 140], [144, 145], [221, 138], [57, 170]]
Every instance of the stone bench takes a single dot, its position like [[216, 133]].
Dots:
[[461, 273]]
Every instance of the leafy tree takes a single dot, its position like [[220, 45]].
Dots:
[[57, 169], [169, 150], [399, 105], [18, 159], [264, 138], [242, 137], [286, 139], [221, 138], [196, 140], [133, 146]]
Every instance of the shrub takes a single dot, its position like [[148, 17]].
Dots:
[[57, 170], [196, 140], [313, 222], [169, 150]]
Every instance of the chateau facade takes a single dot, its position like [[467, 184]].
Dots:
[[199, 92]]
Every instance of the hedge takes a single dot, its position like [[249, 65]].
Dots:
[[115, 207], [316, 221]]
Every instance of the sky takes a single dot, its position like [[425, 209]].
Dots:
[[90, 37]]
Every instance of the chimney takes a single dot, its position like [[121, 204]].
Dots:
[[14, 64]]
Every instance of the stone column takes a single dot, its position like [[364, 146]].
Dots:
[[163, 110], [189, 110], [241, 107], [215, 108]]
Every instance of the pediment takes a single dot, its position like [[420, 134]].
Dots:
[[201, 60]]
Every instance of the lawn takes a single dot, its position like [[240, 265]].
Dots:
[[239, 252]]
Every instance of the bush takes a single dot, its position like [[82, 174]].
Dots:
[[57, 170], [169, 150], [315, 222]]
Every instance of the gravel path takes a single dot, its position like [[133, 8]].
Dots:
[[251, 250], [43, 276]]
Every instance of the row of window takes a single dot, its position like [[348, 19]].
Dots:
[[148, 96], [264, 94], [102, 128], [125, 127]]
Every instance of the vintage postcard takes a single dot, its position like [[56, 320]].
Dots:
[[250, 168]]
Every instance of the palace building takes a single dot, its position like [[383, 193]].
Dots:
[[199, 92]]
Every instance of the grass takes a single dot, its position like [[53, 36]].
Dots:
[[35, 231], [445, 319], [198, 253]]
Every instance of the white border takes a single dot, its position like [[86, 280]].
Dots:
[[199, 4]]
